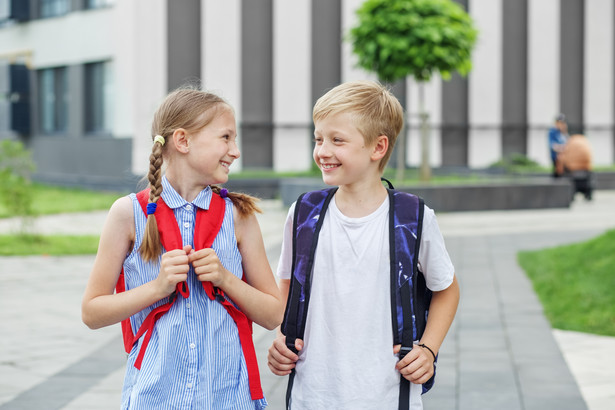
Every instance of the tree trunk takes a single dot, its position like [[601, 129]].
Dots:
[[425, 169]]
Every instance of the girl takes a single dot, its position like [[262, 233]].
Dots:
[[185, 310]]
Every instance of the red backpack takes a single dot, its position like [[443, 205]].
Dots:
[[208, 223]]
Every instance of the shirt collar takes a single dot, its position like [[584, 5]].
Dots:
[[175, 200]]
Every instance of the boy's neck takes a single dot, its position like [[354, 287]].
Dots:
[[358, 201]]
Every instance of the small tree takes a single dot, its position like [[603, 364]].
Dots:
[[397, 38], [16, 165]]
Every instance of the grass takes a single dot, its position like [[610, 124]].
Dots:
[[575, 284], [49, 199], [28, 244], [52, 200]]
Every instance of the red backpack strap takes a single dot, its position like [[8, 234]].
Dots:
[[170, 237], [208, 225], [127, 335]]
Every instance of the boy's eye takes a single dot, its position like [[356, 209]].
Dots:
[[318, 140]]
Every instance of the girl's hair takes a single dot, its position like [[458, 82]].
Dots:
[[191, 109], [376, 111]]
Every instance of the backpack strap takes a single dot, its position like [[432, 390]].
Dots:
[[207, 225], [408, 285], [310, 210]]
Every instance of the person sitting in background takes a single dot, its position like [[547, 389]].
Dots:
[[575, 161], [558, 134]]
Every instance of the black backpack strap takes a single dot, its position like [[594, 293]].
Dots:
[[411, 306], [293, 325]]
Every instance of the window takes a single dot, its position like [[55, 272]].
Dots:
[[53, 100], [98, 88], [52, 8]]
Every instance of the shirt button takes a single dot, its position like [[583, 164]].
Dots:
[[192, 345], [187, 305], [186, 224], [189, 385], [189, 207]]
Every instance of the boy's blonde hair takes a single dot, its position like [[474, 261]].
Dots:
[[376, 111]]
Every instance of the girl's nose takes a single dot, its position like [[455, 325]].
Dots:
[[234, 150]]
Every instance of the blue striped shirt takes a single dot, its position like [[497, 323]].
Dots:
[[194, 358]]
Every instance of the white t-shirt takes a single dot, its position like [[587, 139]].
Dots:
[[347, 361]]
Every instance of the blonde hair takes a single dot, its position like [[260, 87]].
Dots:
[[191, 109], [376, 111]]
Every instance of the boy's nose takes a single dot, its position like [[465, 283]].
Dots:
[[322, 150]]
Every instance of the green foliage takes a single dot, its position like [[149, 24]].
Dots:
[[397, 38], [575, 284], [517, 163], [16, 165]]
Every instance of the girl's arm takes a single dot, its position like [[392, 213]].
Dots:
[[259, 298], [100, 306]]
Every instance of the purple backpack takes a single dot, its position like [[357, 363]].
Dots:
[[410, 297]]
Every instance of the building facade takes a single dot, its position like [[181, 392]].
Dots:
[[80, 79]]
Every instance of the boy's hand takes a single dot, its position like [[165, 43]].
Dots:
[[417, 366], [174, 267], [207, 266], [281, 360]]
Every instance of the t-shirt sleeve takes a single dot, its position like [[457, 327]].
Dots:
[[285, 263], [434, 261]]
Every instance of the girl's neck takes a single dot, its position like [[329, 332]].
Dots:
[[185, 186]]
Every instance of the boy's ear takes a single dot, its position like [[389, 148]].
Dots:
[[380, 147], [180, 140]]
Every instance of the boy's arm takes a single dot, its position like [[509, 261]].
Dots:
[[441, 314], [418, 365]]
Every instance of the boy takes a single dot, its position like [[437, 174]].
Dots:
[[347, 359]]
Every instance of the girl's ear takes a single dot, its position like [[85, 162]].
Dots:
[[380, 147], [180, 140]]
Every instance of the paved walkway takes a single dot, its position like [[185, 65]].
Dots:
[[500, 353]]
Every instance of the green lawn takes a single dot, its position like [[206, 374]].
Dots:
[[28, 244], [52, 200], [576, 284]]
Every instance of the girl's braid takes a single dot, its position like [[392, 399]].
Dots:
[[151, 247]]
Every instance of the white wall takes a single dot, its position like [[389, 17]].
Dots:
[[598, 77], [150, 74], [543, 75], [292, 85], [221, 54], [485, 84]]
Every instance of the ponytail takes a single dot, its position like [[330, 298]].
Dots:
[[245, 204], [150, 246]]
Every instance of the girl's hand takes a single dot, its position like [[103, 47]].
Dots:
[[417, 366], [207, 267], [174, 267]]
